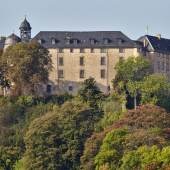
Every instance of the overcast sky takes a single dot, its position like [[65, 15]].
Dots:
[[128, 16]]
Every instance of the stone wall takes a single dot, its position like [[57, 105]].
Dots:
[[92, 67]]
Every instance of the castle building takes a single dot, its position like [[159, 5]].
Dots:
[[77, 56], [157, 50]]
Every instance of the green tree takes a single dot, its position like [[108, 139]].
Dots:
[[59, 137], [3, 82], [154, 88], [25, 65], [90, 93], [133, 68], [133, 89], [128, 73]]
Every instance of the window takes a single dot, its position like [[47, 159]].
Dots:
[[68, 40], [103, 50], [61, 50], [82, 50], [40, 41], [105, 41], [61, 61], [71, 50], [102, 74], [163, 66], [75, 41], [158, 65], [81, 73], [60, 74], [103, 61], [49, 88], [92, 41], [92, 50], [53, 41], [70, 88], [167, 67], [81, 61], [121, 50]]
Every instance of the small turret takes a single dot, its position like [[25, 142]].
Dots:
[[25, 31], [11, 40]]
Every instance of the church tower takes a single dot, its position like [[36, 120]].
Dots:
[[25, 31]]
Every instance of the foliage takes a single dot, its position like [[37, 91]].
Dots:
[[146, 158], [115, 147], [8, 157], [59, 137], [90, 93], [129, 74], [25, 66], [111, 149], [153, 88], [133, 68]]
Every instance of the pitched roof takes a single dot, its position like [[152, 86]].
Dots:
[[159, 44], [93, 39], [14, 37]]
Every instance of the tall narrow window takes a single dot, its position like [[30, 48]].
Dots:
[[60, 74], [81, 61], [70, 88], [121, 50], [158, 65], [103, 74], [82, 50], [71, 50], [61, 61], [92, 50], [49, 88], [103, 50], [81, 74], [103, 61], [61, 50]]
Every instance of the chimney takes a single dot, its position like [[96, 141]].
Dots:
[[158, 36]]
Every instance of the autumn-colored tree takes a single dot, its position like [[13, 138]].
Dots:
[[146, 126]]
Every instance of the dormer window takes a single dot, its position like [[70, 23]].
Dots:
[[106, 41], [41, 41], [120, 41], [92, 41], [68, 40], [53, 41], [75, 41]]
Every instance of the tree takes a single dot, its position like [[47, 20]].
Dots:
[[133, 89], [154, 88], [90, 93], [26, 66], [3, 82], [59, 137], [131, 69], [128, 73], [119, 146]]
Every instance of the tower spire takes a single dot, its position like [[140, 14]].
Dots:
[[25, 31]]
